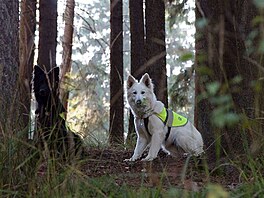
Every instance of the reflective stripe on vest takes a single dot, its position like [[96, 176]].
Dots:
[[172, 119]]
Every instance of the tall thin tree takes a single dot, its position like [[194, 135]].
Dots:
[[47, 59], [156, 47], [26, 54], [67, 50], [137, 35], [47, 34], [116, 131]]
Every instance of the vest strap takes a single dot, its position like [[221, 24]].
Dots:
[[146, 121], [169, 117], [168, 133]]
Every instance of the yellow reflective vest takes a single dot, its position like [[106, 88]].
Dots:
[[172, 119]]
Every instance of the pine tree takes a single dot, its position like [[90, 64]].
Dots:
[[116, 131]]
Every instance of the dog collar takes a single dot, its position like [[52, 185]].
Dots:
[[144, 115]]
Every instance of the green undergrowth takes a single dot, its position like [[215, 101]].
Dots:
[[25, 172]]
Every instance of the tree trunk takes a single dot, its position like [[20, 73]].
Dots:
[[255, 61], [9, 105], [116, 130], [156, 47], [67, 50], [47, 34], [26, 55], [220, 47], [137, 38], [137, 49], [47, 62]]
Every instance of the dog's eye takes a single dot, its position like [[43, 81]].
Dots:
[[134, 92], [143, 92]]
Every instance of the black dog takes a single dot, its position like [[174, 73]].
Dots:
[[51, 128]]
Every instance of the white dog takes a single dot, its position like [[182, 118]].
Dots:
[[156, 126]]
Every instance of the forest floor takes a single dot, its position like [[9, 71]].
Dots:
[[165, 171]]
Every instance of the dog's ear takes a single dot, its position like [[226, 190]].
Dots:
[[130, 81], [54, 74], [147, 81], [38, 71]]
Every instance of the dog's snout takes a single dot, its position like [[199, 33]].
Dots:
[[138, 102], [43, 92]]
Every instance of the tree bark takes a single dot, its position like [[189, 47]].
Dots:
[[9, 67], [220, 46], [47, 34], [137, 38], [26, 55], [156, 47], [137, 49], [116, 130], [67, 50]]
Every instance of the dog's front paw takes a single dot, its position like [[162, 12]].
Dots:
[[132, 159], [187, 155], [128, 160], [148, 158]]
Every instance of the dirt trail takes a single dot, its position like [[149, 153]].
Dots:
[[165, 170]]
